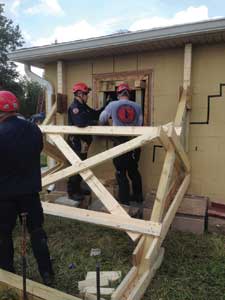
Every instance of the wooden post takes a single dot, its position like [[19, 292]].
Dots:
[[184, 106]]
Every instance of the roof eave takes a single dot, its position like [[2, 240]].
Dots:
[[117, 41]]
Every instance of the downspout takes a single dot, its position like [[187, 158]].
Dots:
[[42, 82], [49, 92]]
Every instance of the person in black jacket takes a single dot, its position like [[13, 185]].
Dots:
[[20, 182], [81, 115]]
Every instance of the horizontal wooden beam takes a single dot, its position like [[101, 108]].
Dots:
[[39, 291], [117, 222], [103, 130]]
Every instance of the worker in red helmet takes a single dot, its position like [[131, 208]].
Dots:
[[81, 115], [20, 182], [125, 112]]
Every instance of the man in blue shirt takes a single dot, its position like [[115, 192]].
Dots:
[[125, 113], [20, 182], [81, 115]]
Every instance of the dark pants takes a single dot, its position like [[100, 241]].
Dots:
[[73, 184], [128, 163], [10, 208]]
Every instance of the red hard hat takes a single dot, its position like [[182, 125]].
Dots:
[[123, 86], [80, 86], [8, 102]]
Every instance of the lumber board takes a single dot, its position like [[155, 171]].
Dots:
[[138, 251], [52, 151], [163, 186], [109, 220], [187, 65], [174, 206], [185, 95], [34, 288], [179, 149], [111, 276], [140, 287], [124, 285], [104, 291], [54, 169], [104, 130], [154, 243], [80, 166], [181, 110], [97, 187], [50, 115], [91, 297], [92, 282]]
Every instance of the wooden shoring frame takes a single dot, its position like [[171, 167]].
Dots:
[[148, 254]]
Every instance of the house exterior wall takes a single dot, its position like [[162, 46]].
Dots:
[[207, 141]]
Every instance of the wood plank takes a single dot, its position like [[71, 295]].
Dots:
[[109, 275], [92, 282], [91, 297], [52, 151], [163, 186], [174, 206], [34, 288], [124, 285], [185, 95], [109, 220], [50, 115], [187, 66], [103, 130], [56, 168], [80, 166], [97, 187], [138, 291], [103, 291], [138, 251], [179, 149]]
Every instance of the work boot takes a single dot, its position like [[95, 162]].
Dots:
[[48, 278]]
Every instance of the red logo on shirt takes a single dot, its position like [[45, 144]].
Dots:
[[126, 114]]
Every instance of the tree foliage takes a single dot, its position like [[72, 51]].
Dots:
[[32, 92], [27, 91], [10, 39]]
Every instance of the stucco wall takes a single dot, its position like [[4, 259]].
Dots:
[[207, 142]]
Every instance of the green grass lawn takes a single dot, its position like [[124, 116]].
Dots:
[[193, 266]]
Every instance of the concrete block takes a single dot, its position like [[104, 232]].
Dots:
[[66, 201], [191, 224]]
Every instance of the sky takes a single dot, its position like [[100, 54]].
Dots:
[[43, 22]]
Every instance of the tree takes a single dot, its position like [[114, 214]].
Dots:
[[10, 39], [27, 91], [32, 92]]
